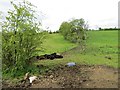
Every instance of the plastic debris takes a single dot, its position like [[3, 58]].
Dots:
[[33, 78], [71, 64]]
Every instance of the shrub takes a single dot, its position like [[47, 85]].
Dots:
[[21, 34]]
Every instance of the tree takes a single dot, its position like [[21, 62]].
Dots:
[[65, 29], [21, 36], [74, 30]]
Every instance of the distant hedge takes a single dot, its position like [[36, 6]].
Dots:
[[110, 29]]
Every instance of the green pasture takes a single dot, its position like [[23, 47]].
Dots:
[[99, 45], [56, 43]]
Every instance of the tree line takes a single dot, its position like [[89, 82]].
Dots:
[[108, 29]]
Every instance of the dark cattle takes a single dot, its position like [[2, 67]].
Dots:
[[49, 56], [37, 57], [58, 56], [40, 57], [53, 54]]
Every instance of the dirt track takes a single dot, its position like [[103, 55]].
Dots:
[[79, 76]]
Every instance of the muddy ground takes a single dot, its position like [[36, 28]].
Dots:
[[79, 76]]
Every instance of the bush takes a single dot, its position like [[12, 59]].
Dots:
[[20, 37]]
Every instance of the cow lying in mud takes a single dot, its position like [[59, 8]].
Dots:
[[49, 56]]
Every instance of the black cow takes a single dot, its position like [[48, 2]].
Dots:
[[40, 57], [56, 56], [49, 56]]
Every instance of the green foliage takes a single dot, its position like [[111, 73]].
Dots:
[[74, 31], [21, 34], [65, 29]]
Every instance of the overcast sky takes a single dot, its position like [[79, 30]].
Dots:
[[98, 13]]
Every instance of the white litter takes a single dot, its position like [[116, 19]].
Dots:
[[33, 78], [71, 64]]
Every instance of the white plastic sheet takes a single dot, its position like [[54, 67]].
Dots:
[[71, 64], [32, 78]]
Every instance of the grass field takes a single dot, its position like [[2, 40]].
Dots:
[[100, 46], [56, 43]]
